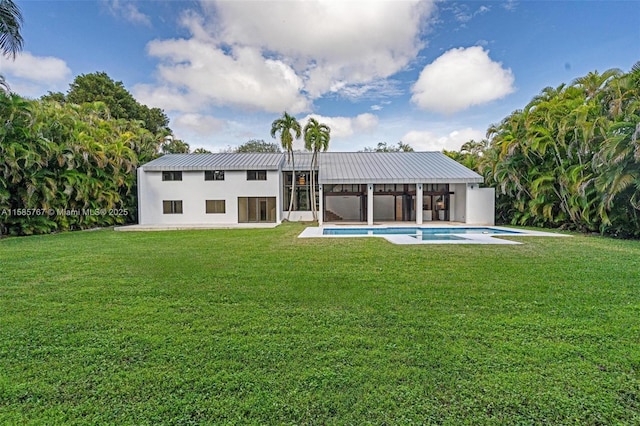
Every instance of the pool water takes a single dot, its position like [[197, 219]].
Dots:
[[436, 237], [420, 233]]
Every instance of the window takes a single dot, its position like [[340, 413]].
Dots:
[[396, 188], [172, 206], [345, 188], [214, 175], [436, 187], [215, 206], [171, 175], [303, 194], [256, 175]]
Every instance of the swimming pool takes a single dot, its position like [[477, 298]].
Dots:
[[421, 234], [418, 231]]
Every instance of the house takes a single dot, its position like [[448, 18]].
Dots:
[[368, 187]]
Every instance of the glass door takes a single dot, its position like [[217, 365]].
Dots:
[[256, 209]]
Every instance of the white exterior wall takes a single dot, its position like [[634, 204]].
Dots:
[[481, 205], [419, 213], [384, 208], [299, 216], [347, 207], [193, 190], [459, 202]]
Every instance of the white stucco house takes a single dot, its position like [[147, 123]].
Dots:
[[367, 187]]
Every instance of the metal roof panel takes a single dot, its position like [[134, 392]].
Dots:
[[334, 167], [392, 167], [221, 161]]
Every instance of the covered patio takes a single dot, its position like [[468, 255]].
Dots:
[[418, 187]]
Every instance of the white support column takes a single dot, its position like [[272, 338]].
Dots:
[[419, 204], [140, 200], [279, 211], [369, 204], [320, 205]]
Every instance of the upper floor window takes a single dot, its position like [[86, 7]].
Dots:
[[214, 175], [256, 175], [171, 175]]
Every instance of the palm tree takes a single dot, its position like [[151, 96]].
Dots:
[[10, 38], [593, 83], [10, 22], [316, 138], [285, 126]]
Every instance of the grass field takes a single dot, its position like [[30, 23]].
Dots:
[[260, 327]]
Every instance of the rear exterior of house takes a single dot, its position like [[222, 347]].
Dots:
[[366, 187]]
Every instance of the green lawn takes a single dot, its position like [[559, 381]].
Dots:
[[260, 327]]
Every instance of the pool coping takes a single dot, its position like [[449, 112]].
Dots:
[[317, 232]]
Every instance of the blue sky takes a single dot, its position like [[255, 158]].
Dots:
[[433, 74]]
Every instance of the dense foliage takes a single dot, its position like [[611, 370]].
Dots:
[[570, 158], [99, 87], [68, 166], [257, 145], [384, 147]]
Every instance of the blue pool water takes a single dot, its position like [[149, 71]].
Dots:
[[436, 237], [420, 233]]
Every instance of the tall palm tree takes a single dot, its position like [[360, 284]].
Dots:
[[285, 126], [316, 138], [10, 38]]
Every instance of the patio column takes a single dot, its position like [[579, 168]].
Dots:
[[419, 204], [369, 204], [320, 205]]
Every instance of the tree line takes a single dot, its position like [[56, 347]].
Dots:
[[68, 162], [570, 158]]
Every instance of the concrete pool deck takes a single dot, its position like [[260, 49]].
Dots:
[[462, 238]]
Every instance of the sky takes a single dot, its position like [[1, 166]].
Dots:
[[433, 74]]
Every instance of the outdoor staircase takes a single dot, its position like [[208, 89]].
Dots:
[[330, 216]]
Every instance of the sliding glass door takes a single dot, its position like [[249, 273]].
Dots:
[[256, 209]]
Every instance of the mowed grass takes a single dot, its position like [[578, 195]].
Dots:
[[260, 327]]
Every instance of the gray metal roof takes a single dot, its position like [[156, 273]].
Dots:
[[392, 167], [334, 167], [302, 160], [222, 161]]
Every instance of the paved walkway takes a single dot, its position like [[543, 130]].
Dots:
[[194, 226]]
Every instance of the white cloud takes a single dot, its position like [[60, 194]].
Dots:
[[281, 55], [341, 127], [459, 79], [32, 76], [198, 123], [241, 77], [329, 41], [381, 88], [365, 122], [128, 11], [168, 98], [463, 14], [424, 140], [43, 69], [346, 126], [510, 5]]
